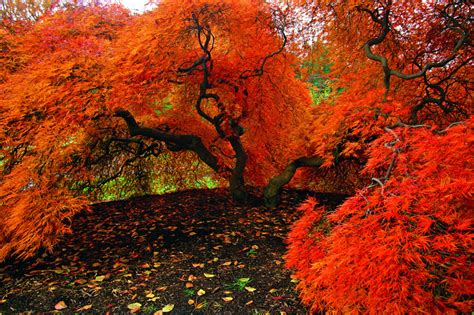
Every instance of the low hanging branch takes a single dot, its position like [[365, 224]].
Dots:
[[173, 142]]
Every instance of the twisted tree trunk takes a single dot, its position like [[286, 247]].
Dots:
[[273, 189]]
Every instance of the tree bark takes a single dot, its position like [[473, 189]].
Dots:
[[273, 189], [237, 183]]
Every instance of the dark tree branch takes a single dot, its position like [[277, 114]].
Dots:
[[173, 141], [385, 30]]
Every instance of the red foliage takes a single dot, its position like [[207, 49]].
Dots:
[[401, 246]]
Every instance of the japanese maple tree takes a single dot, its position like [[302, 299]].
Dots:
[[91, 93]]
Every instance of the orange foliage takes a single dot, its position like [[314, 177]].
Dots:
[[404, 243], [66, 75], [402, 247], [51, 93]]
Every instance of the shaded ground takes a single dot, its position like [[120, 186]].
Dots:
[[193, 252]]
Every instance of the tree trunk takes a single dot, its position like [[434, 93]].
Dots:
[[236, 182], [272, 191]]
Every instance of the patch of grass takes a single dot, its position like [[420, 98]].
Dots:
[[240, 283], [189, 292]]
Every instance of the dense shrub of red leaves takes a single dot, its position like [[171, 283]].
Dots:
[[402, 245]]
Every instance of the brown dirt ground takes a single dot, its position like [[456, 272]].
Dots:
[[193, 251]]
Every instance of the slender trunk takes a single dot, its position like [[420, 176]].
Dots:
[[272, 191], [236, 182]]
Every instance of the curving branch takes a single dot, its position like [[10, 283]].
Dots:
[[173, 141], [260, 70], [272, 191], [385, 30]]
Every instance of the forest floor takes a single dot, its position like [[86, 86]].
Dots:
[[191, 252]]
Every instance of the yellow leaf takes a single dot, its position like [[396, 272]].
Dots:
[[99, 278], [150, 295], [134, 306], [167, 308], [209, 275], [250, 289], [227, 298], [190, 301], [201, 292], [227, 263]]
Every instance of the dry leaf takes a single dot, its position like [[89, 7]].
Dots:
[[60, 305], [250, 289], [201, 292], [85, 307], [209, 275], [189, 285], [227, 298], [167, 308], [134, 306]]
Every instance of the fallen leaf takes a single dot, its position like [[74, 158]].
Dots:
[[249, 302], [85, 307], [190, 301], [99, 278], [250, 289], [227, 263], [134, 306], [60, 305], [200, 305], [227, 298], [189, 285], [167, 308], [201, 292], [273, 290], [209, 275], [150, 295], [198, 265]]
